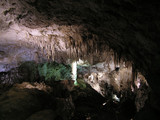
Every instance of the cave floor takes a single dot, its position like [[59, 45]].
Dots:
[[37, 101]]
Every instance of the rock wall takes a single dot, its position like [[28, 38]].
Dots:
[[111, 82]]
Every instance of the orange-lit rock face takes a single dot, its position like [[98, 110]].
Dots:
[[118, 82]]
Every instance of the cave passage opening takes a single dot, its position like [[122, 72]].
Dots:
[[111, 77], [113, 81]]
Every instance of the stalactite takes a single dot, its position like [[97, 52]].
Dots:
[[116, 59], [52, 49], [70, 52]]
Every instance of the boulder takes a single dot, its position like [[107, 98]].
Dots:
[[20, 102], [47, 114]]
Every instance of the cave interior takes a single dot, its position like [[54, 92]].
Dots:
[[79, 60]]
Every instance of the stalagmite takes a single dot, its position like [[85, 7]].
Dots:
[[74, 72]]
